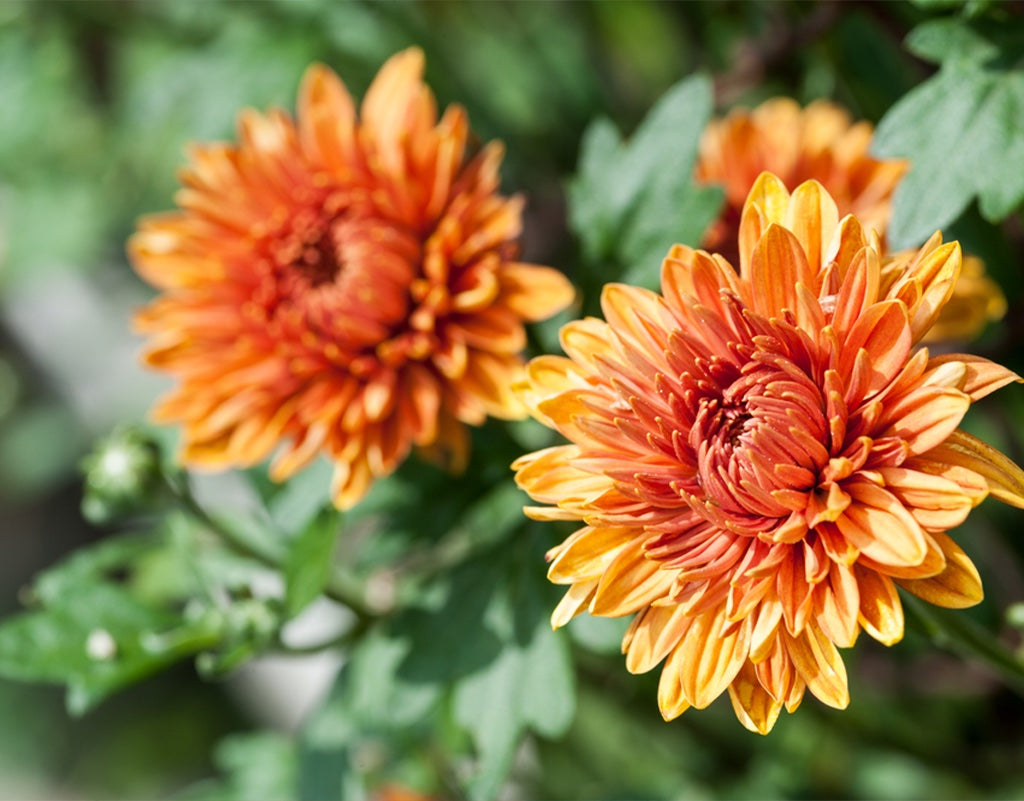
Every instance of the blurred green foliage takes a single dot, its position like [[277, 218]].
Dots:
[[445, 676]]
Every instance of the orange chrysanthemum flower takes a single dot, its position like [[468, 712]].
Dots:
[[340, 284], [819, 142], [760, 458], [976, 301], [822, 143]]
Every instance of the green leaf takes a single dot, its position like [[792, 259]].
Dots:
[[960, 130], [631, 201], [302, 497], [96, 639], [371, 693], [261, 765], [90, 566], [529, 685], [308, 566], [947, 41]]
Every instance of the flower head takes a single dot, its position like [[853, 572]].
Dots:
[[343, 283], [822, 143], [759, 458], [819, 142]]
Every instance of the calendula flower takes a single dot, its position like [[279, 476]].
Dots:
[[821, 142], [343, 283], [759, 458]]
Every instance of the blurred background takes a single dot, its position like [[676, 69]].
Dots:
[[98, 101]]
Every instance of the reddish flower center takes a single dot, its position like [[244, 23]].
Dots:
[[763, 432]]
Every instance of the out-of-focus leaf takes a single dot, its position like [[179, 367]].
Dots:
[[371, 702], [371, 694], [90, 566], [950, 41], [528, 685], [308, 565], [95, 641], [261, 765], [960, 129], [631, 201], [442, 648], [301, 497]]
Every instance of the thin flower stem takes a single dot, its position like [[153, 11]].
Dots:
[[337, 589]]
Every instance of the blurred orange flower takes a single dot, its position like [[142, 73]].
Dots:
[[759, 459], [976, 301], [819, 142], [342, 284], [822, 143]]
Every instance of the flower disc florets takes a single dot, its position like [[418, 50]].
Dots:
[[760, 457]]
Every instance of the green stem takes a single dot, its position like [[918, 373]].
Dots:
[[958, 633], [337, 589]]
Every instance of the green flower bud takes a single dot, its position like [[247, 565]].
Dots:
[[122, 476]]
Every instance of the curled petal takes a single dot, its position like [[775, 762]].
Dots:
[[881, 613], [1004, 478], [982, 377], [819, 664], [956, 587], [754, 706]]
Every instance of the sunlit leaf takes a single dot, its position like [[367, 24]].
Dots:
[[960, 130]]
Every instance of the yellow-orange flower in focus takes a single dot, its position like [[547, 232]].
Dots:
[[759, 458], [822, 143], [342, 284]]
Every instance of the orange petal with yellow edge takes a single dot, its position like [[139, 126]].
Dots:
[[956, 587]]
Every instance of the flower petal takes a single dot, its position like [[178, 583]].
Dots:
[[1004, 478], [956, 587], [818, 662], [754, 706], [881, 613]]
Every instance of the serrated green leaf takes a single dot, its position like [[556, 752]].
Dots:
[[308, 565], [90, 566], [960, 129], [529, 685], [650, 238], [949, 41], [631, 201]]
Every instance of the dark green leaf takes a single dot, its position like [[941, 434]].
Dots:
[[308, 566]]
